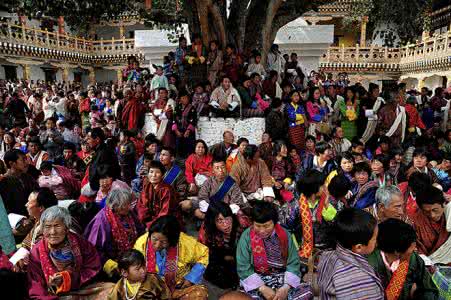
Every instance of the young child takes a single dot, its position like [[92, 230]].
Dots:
[[344, 273], [136, 283], [95, 116]]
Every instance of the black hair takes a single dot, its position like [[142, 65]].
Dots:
[[241, 140], [276, 102], [384, 140], [263, 212], [217, 159], [35, 140], [356, 143], [384, 159], [339, 186], [131, 258], [395, 236], [105, 171], [98, 133], [148, 156], [430, 195], [155, 164], [310, 183], [250, 151], [321, 147], [420, 151], [354, 226], [419, 181], [69, 146], [46, 165], [169, 149], [345, 155], [45, 197], [278, 145], [397, 150], [214, 210], [361, 167], [310, 137], [203, 143], [168, 226]]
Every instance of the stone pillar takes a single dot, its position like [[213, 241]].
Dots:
[[363, 23], [148, 4], [119, 77], [26, 71], [61, 25], [122, 31], [421, 83], [92, 75], [65, 74]]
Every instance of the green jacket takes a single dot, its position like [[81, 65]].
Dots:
[[245, 260], [426, 289]]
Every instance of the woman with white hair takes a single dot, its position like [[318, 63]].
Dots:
[[62, 263], [114, 229]]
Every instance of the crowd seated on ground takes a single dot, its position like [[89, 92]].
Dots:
[[346, 196]]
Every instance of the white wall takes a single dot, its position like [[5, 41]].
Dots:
[[104, 75]]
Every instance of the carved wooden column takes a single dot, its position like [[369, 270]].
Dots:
[[363, 31], [26, 71], [92, 75]]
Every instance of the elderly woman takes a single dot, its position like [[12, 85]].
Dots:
[[114, 229], [62, 263], [177, 257]]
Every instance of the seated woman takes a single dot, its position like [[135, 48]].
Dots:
[[219, 234], [380, 165], [158, 198], [402, 272], [267, 260], [107, 183], [346, 163], [282, 170], [38, 201], [198, 166], [114, 229], [62, 263], [176, 257], [364, 190], [433, 234], [136, 283], [237, 153]]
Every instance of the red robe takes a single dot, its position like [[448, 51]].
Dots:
[[87, 265], [156, 202], [429, 237], [133, 111]]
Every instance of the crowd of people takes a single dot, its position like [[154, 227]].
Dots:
[[346, 196]]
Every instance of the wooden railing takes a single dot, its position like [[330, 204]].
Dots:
[[432, 50], [23, 35]]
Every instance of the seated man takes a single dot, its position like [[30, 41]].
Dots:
[[311, 217], [401, 270], [321, 161], [344, 273], [223, 149], [225, 100], [60, 180], [176, 257], [62, 263], [252, 175], [158, 198], [72, 161], [267, 261], [38, 201], [389, 205], [174, 176], [35, 153], [433, 234], [417, 182]]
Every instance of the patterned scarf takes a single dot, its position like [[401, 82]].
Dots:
[[258, 249], [124, 232], [170, 271], [57, 261], [307, 224], [397, 281]]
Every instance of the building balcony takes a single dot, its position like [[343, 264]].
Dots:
[[431, 54], [22, 41]]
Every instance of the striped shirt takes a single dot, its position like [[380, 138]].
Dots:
[[343, 274]]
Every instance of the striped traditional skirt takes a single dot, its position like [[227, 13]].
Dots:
[[297, 137]]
